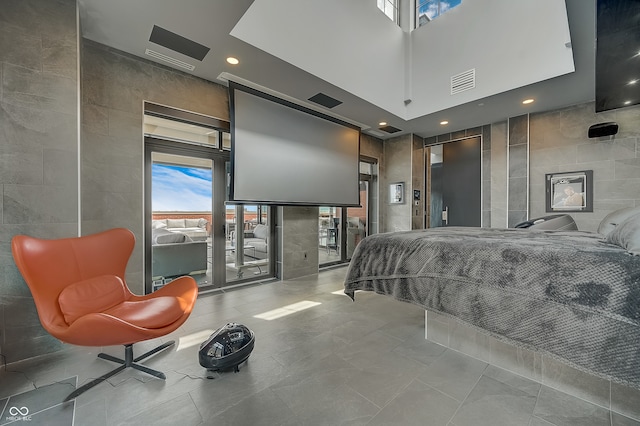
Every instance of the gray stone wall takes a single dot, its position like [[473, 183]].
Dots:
[[38, 152], [559, 143], [114, 88], [486, 176], [417, 183], [297, 228], [518, 172], [499, 175], [398, 168]]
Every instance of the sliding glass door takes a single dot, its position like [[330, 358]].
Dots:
[[248, 241], [191, 229], [184, 214], [357, 220], [181, 216], [338, 238]]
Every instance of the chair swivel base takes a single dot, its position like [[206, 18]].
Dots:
[[128, 361]]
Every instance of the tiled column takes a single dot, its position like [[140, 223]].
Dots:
[[297, 229], [518, 178], [38, 152]]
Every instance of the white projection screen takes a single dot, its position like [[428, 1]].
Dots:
[[286, 154]]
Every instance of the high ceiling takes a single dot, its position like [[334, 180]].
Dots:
[[127, 25]]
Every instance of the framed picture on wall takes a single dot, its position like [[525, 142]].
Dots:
[[569, 192], [396, 193]]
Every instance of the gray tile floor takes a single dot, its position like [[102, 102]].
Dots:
[[335, 362]]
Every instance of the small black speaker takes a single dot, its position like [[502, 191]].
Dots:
[[603, 129]]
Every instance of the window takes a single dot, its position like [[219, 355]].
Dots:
[[428, 10], [390, 8]]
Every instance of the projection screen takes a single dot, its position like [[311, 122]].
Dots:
[[285, 154]]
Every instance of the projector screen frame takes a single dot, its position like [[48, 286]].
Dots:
[[233, 87]]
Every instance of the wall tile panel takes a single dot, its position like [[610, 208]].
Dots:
[[18, 45], [617, 149], [627, 169]]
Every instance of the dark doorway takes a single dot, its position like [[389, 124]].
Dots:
[[456, 184]]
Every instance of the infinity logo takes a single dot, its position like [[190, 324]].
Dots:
[[14, 411]]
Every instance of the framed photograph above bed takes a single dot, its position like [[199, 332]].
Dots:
[[569, 192]]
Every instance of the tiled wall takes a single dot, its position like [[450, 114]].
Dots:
[[486, 176], [517, 154], [114, 88], [518, 171], [398, 168], [498, 175], [38, 152], [559, 142], [297, 229], [417, 183]]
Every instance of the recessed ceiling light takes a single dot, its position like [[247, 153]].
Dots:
[[527, 101], [627, 102], [382, 123], [633, 81], [232, 60], [444, 122]]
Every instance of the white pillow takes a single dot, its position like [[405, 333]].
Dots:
[[611, 220], [159, 224], [627, 235]]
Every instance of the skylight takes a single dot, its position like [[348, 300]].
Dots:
[[428, 10]]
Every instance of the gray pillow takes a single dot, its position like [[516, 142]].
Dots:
[[611, 220], [192, 223], [627, 235], [175, 223]]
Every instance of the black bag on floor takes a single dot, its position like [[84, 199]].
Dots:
[[228, 347]]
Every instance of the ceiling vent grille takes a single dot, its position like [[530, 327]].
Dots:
[[389, 129], [325, 100], [463, 81], [169, 59]]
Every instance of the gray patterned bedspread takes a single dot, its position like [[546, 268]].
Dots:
[[567, 294]]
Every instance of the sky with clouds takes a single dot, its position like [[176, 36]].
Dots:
[[430, 8], [178, 188]]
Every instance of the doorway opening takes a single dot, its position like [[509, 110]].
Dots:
[[454, 176]]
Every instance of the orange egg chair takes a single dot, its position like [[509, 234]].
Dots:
[[79, 289]]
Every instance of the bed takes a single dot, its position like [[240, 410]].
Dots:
[[572, 295]]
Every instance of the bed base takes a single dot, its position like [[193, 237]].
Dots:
[[540, 367]]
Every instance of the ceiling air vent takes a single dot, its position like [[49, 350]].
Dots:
[[169, 59], [177, 43], [463, 81], [325, 100], [389, 129]]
